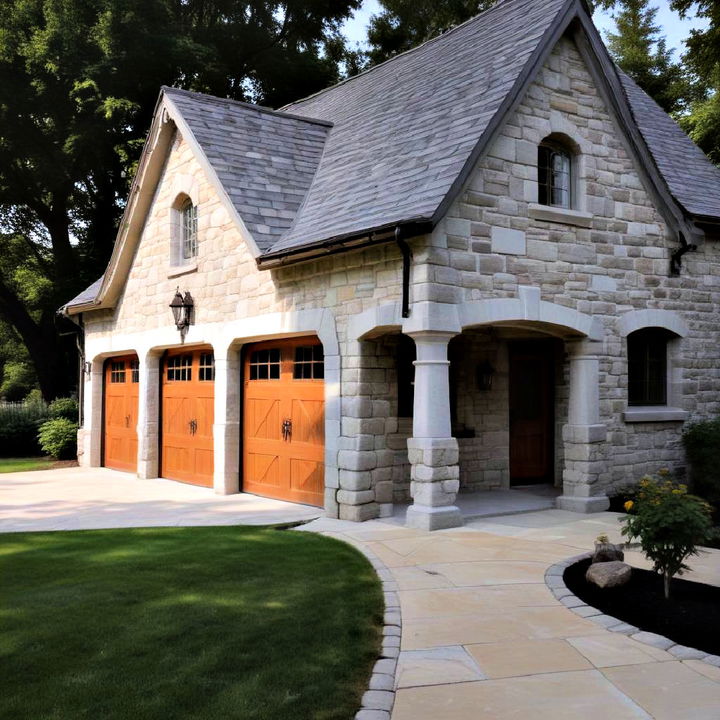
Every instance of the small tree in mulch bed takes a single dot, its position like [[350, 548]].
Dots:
[[669, 522]]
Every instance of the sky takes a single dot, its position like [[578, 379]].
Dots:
[[674, 29]]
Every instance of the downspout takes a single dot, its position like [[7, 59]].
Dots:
[[676, 257], [407, 260]]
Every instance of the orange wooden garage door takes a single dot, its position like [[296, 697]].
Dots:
[[188, 399], [121, 411], [284, 420]]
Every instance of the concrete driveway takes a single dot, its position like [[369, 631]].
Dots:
[[91, 498]]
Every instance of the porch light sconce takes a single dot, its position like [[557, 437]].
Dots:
[[485, 372], [87, 368], [182, 309]]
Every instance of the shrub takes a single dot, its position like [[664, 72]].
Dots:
[[702, 446], [64, 408], [58, 437], [669, 523], [19, 423]]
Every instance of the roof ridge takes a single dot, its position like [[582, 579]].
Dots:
[[414, 49], [206, 97]]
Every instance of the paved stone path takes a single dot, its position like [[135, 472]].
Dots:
[[484, 638], [90, 498], [482, 635]]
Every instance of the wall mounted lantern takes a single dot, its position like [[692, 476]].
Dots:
[[182, 310], [485, 372]]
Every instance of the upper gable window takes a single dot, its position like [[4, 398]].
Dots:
[[188, 214], [555, 167]]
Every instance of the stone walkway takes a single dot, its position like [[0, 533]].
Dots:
[[91, 498], [483, 637]]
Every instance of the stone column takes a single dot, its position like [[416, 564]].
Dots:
[[584, 436], [432, 451], [91, 455], [226, 425], [148, 425]]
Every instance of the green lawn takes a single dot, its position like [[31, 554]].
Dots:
[[8, 465], [200, 623]]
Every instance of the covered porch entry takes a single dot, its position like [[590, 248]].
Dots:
[[505, 404]]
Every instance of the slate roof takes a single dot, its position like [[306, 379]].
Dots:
[[265, 160], [387, 146], [693, 180], [86, 296], [403, 130]]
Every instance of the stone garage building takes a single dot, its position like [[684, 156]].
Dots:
[[488, 262]]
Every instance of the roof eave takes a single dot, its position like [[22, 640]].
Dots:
[[412, 227]]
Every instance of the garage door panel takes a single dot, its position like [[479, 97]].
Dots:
[[120, 413], [263, 416], [188, 408], [283, 380], [307, 476], [308, 421]]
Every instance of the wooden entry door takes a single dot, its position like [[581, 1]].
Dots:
[[188, 412], [284, 420], [531, 412], [120, 442]]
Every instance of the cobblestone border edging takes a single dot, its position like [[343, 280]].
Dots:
[[554, 580], [379, 698]]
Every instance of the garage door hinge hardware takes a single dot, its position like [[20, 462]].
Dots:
[[286, 429]]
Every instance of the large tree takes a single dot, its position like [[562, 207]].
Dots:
[[703, 58], [403, 24], [639, 49], [78, 83]]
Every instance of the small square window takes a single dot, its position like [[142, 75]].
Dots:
[[207, 366], [265, 364], [309, 363], [179, 368], [117, 371]]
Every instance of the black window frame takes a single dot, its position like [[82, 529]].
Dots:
[[647, 355], [547, 175]]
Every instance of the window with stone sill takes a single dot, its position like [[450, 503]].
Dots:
[[647, 351], [555, 181]]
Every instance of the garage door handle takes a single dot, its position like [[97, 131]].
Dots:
[[193, 426], [286, 429], [127, 421]]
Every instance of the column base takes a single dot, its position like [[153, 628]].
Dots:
[[424, 517], [598, 503]]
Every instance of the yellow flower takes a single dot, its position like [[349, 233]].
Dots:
[[629, 505]]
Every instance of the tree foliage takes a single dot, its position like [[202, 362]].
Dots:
[[669, 523], [78, 83], [639, 49], [403, 24]]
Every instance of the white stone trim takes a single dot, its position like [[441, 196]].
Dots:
[[226, 339], [375, 321], [639, 319], [566, 216], [528, 307], [654, 413]]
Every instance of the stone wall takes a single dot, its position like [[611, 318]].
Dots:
[[494, 240]]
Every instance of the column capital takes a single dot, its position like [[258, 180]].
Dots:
[[584, 347], [432, 316]]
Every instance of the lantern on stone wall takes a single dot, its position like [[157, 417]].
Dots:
[[485, 372]]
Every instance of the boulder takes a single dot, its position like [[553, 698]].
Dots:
[[607, 552], [608, 574]]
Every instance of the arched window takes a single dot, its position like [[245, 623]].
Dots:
[[188, 213], [648, 366], [555, 168]]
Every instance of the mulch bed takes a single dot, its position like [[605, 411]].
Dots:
[[690, 617]]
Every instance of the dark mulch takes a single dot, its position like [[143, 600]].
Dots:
[[690, 617]]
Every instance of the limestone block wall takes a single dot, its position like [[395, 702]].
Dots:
[[610, 257]]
